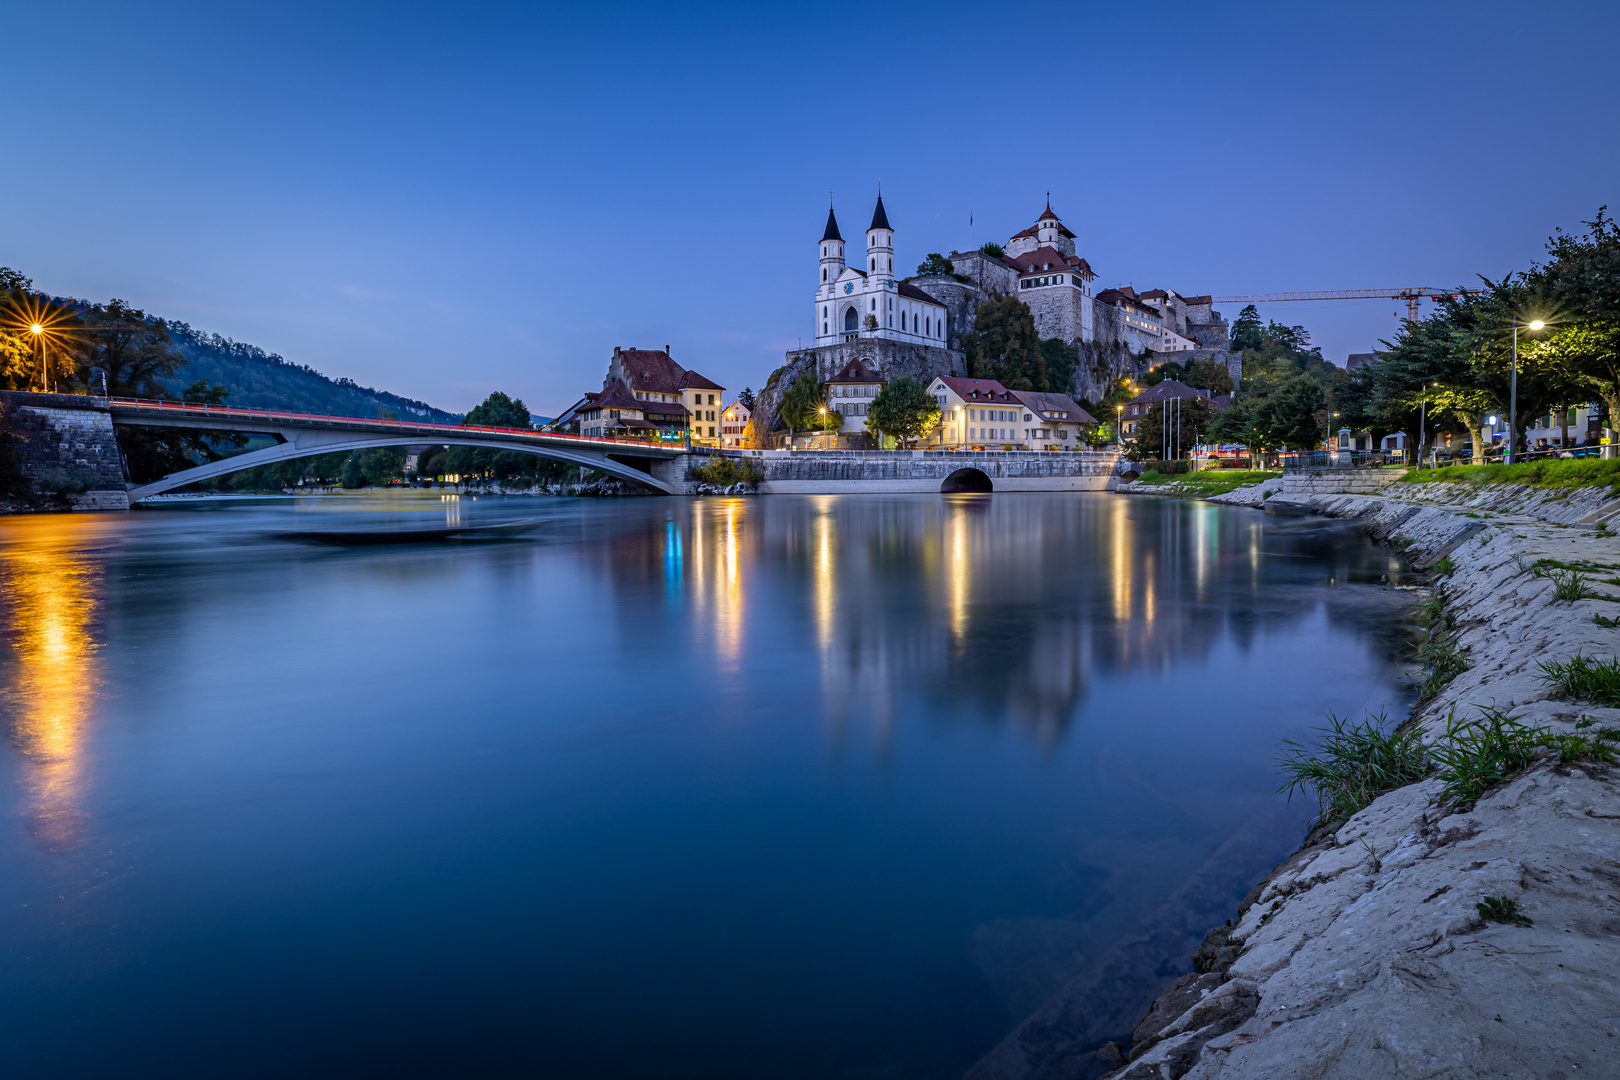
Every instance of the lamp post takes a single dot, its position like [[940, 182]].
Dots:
[[824, 427], [1119, 425], [39, 347], [1513, 388]]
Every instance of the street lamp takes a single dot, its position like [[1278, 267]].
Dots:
[[1513, 387], [39, 342], [824, 426]]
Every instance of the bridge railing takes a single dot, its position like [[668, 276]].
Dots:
[[231, 412]]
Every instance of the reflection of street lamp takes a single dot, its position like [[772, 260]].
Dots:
[[1513, 387]]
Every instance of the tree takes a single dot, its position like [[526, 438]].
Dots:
[[1060, 359], [1290, 414], [1186, 423], [1004, 346], [1579, 290], [746, 398], [501, 411], [132, 347], [903, 410], [936, 264], [1211, 375], [993, 249], [804, 406], [1246, 330]]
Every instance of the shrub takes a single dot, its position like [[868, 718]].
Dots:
[[1444, 567], [1354, 764], [1584, 679], [65, 481], [725, 471]]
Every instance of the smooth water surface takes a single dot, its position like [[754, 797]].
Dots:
[[790, 786]]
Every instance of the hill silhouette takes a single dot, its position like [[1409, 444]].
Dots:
[[260, 380]]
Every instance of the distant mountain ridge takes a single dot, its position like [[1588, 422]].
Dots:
[[260, 380]]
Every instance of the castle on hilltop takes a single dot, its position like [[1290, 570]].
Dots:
[[914, 325]]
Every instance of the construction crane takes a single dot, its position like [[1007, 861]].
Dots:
[[1411, 296]]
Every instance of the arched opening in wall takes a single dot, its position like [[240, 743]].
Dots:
[[851, 320], [966, 482]]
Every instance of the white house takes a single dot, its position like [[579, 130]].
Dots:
[[850, 394]]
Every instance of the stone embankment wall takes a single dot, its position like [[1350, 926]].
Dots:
[[833, 472], [1364, 955], [67, 443]]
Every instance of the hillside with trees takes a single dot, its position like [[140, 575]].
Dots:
[[148, 356]]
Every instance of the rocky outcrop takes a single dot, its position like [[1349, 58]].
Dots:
[[1366, 954]]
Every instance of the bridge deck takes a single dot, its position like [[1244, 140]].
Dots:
[[270, 421]]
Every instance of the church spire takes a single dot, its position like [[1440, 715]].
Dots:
[[880, 220], [832, 227]]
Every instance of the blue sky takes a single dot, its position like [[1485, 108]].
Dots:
[[442, 200]]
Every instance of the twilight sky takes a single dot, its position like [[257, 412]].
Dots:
[[442, 200]]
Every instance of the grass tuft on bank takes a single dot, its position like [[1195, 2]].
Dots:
[[1553, 473], [1209, 482], [1354, 764]]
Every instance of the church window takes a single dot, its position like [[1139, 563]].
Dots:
[[850, 319], [874, 265], [823, 273]]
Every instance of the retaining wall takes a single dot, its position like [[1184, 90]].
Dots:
[[818, 472], [67, 437]]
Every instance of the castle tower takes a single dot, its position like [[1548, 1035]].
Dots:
[[832, 250], [880, 244], [1049, 231]]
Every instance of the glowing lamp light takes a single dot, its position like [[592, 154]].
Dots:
[[1491, 420], [1535, 324], [37, 329]]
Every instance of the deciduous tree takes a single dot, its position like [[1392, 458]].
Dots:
[[903, 410]]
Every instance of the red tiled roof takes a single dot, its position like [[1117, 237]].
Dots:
[[652, 369], [1168, 389], [1193, 300], [1040, 257], [1044, 404], [616, 396], [693, 381], [856, 371], [977, 389]]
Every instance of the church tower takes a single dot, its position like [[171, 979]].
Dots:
[[832, 250], [880, 244]]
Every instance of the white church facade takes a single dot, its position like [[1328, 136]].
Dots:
[[866, 300]]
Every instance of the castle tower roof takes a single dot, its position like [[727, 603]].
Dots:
[[832, 227], [880, 220]]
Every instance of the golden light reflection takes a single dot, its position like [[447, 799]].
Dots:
[[959, 572], [728, 613], [825, 588], [50, 593], [1119, 527]]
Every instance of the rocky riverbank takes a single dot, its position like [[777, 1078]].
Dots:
[[1367, 953]]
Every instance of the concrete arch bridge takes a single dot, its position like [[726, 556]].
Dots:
[[297, 435]]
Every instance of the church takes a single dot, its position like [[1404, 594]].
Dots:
[[866, 300]]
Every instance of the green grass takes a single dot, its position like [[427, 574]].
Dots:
[[1503, 910], [1546, 473], [1584, 679], [1209, 482], [1353, 765], [1444, 567], [1476, 755]]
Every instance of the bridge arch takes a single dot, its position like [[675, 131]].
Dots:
[[591, 458], [967, 481]]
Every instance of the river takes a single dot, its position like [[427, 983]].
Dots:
[[837, 786]]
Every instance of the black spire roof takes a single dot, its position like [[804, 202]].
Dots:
[[880, 220], [832, 227]]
